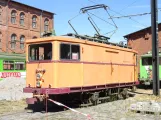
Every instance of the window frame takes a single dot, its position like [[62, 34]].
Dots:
[[23, 64], [13, 17], [22, 42], [1, 10], [70, 44], [46, 25], [34, 21], [14, 65], [148, 61], [1, 39], [22, 18], [30, 60], [7, 65], [13, 41]]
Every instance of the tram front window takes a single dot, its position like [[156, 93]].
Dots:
[[40, 52]]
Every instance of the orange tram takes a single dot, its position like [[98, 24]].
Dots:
[[78, 68]]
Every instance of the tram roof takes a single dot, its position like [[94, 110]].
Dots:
[[77, 40]]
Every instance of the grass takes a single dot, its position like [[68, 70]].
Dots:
[[11, 106]]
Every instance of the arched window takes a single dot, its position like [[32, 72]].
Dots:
[[0, 9], [22, 40], [13, 41], [13, 17], [22, 18], [0, 13], [0, 40], [34, 37], [34, 21], [46, 25]]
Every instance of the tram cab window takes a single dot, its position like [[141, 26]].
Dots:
[[8, 65], [75, 52], [69, 51], [147, 61], [19, 65], [65, 51], [40, 52]]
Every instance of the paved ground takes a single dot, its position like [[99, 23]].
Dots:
[[116, 110]]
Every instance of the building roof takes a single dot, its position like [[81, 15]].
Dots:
[[125, 36], [32, 7], [149, 54]]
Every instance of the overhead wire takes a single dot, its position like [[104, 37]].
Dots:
[[129, 5], [111, 17], [122, 10], [93, 21], [71, 24], [89, 17], [101, 19], [134, 15], [92, 1], [129, 18], [106, 22], [127, 15], [113, 31]]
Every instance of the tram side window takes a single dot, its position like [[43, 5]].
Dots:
[[159, 60], [147, 61], [69, 52], [19, 65], [65, 51], [8, 65], [75, 52], [40, 52]]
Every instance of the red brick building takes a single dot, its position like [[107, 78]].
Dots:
[[19, 22], [141, 40]]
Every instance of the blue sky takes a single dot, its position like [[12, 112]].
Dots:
[[67, 9]]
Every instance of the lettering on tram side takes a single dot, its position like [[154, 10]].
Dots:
[[9, 74]]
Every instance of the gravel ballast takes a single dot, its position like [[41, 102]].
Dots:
[[12, 89]]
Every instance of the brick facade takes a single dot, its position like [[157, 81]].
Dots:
[[21, 13], [141, 40]]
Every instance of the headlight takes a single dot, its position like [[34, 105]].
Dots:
[[38, 76], [38, 83]]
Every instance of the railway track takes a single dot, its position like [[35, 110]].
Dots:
[[28, 114]]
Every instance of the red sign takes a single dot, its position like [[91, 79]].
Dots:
[[10, 74]]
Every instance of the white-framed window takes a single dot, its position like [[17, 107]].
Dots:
[[46, 25], [22, 18], [34, 21], [1, 13], [13, 41], [22, 40], [13, 17], [0, 40]]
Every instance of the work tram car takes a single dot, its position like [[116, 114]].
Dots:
[[79, 68], [12, 65], [145, 76]]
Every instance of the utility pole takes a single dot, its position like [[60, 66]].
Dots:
[[155, 58]]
